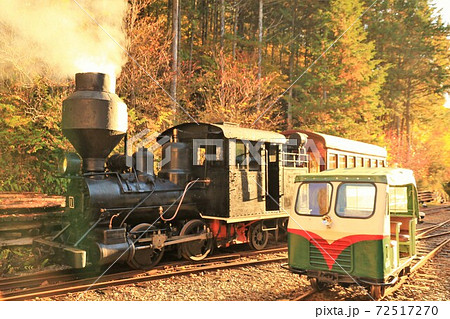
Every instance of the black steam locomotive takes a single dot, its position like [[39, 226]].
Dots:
[[219, 184]]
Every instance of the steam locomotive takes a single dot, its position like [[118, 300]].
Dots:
[[219, 184]]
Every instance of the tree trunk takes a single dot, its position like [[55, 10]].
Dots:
[[169, 15], [235, 30], [191, 36], [260, 40], [222, 23], [408, 118], [291, 67], [173, 87], [204, 12]]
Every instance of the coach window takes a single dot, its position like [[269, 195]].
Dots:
[[366, 162], [355, 200], [313, 199], [351, 161], [359, 162], [332, 161], [342, 161], [373, 163], [380, 163]]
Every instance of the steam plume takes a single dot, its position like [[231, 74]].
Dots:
[[56, 38]]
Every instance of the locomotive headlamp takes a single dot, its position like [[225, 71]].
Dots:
[[71, 164], [326, 220]]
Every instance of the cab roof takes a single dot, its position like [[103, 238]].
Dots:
[[390, 176], [229, 131]]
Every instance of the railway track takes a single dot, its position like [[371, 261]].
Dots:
[[58, 283], [433, 231], [435, 209]]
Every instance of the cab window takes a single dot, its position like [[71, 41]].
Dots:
[[355, 200], [313, 199], [213, 154], [246, 158], [241, 155]]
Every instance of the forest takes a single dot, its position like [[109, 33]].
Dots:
[[376, 71]]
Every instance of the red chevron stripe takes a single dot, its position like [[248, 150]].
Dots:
[[331, 252]]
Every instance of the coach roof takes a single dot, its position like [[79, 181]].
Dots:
[[342, 144]]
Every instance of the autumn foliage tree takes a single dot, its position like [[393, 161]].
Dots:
[[374, 71], [231, 93], [339, 94]]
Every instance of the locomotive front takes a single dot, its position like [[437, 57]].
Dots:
[[115, 212]]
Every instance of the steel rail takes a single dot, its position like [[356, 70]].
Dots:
[[432, 228], [417, 266], [436, 235], [82, 285], [305, 295], [123, 278]]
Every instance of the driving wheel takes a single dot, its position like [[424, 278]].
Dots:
[[196, 250], [257, 237], [143, 258]]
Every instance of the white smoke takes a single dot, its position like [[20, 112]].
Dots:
[[57, 38]]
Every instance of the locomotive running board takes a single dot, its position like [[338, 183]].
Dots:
[[75, 257], [230, 220]]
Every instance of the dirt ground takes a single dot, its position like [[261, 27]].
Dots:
[[267, 282]]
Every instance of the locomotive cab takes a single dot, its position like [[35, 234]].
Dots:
[[354, 225], [251, 174]]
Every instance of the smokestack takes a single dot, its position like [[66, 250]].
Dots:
[[94, 119]]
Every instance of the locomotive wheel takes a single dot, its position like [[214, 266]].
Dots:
[[377, 292], [198, 249], [318, 285], [257, 238], [144, 258]]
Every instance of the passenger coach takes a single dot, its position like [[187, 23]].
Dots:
[[330, 152]]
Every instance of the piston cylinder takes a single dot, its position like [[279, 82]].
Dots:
[[115, 247], [119, 252]]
